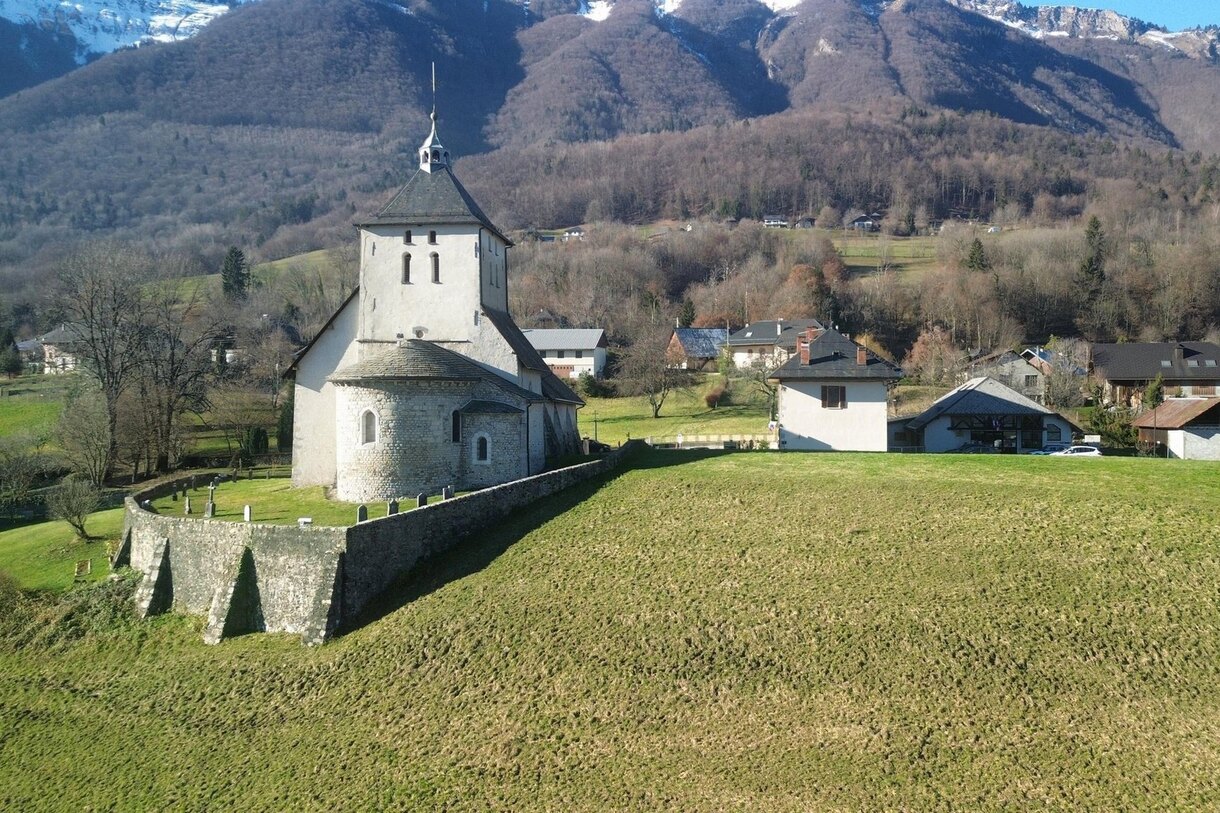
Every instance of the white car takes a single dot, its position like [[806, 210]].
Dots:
[[1052, 447], [1078, 451]]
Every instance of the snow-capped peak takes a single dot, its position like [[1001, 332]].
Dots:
[[102, 26], [1091, 23]]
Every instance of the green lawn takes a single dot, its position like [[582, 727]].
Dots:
[[779, 632], [43, 556], [208, 285], [274, 501], [616, 420], [32, 403]]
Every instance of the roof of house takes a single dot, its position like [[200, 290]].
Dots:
[[1174, 413], [29, 346], [565, 338], [832, 356], [420, 360], [433, 198], [1144, 361], [773, 331], [701, 342], [981, 396], [67, 333]]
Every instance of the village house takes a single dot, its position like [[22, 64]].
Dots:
[[696, 348], [421, 379], [1125, 370], [833, 395], [983, 413], [60, 349], [775, 221], [1185, 428], [570, 352], [769, 341], [1012, 370]]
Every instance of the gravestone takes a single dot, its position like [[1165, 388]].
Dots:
[[421, 500], [391, 508], [246, 514], [447, 493], [362, 514], [174, 496], [209, 510], [303, 522], [186, 505]]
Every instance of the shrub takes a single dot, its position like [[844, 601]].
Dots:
[[714, 398], [586, 384]]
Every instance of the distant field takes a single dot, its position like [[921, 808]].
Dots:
[[778, 632], [616, 420], [32, 403], [208, 285], [43, 556]]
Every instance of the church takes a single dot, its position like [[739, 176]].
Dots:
[[421, 379]]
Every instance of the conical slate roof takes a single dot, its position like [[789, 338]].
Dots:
[[433, 197], [415, 360]]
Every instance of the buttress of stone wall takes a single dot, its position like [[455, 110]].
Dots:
[[250, 577]]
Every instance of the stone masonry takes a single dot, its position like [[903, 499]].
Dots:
[[252, 577]]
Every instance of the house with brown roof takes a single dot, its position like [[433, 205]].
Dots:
[[1186, 428]]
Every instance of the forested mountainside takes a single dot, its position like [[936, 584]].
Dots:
[[280, 119]]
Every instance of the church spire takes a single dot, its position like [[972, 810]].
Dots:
[[432, 155]]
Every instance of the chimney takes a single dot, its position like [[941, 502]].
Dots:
[[802, 344], [861, 356], [1179, 353]]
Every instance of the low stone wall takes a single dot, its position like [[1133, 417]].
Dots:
[[255, 577]]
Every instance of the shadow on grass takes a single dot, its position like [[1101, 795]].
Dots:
[[479, 550]]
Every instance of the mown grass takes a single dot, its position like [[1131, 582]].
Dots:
[[43, 556], [32, 403], [274, 501], [617, 420], [733, 632]]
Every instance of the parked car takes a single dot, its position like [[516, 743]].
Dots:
[[1051, 448], [1078, 451]]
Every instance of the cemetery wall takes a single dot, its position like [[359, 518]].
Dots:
[[247, 577]]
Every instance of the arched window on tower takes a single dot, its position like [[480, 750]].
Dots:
[[368, 427], [436, 267], [406, 269]]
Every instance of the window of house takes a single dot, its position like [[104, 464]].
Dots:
[[406, 236], [560, 354], [436, 267], [580, 354], [368, 427], [1054, 433], [482, 449], [1203, 389], [455, 427], [834, 396], [432, 238], [406, 269], [1031, 381]]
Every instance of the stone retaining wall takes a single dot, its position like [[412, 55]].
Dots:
[[276, 578]]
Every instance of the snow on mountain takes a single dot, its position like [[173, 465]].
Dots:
[[102, 26], [1090, 23]]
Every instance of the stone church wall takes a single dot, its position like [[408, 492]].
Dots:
[[250, 577]]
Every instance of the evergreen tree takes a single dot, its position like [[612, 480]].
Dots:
[[10, 357], [235, 275], [978, 261], [1154, 393], [1093, 267], [687, 318]]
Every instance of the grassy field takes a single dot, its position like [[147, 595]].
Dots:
[[616, 420], [209, 287], [733, 632], [32, 403], [43, 556]]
